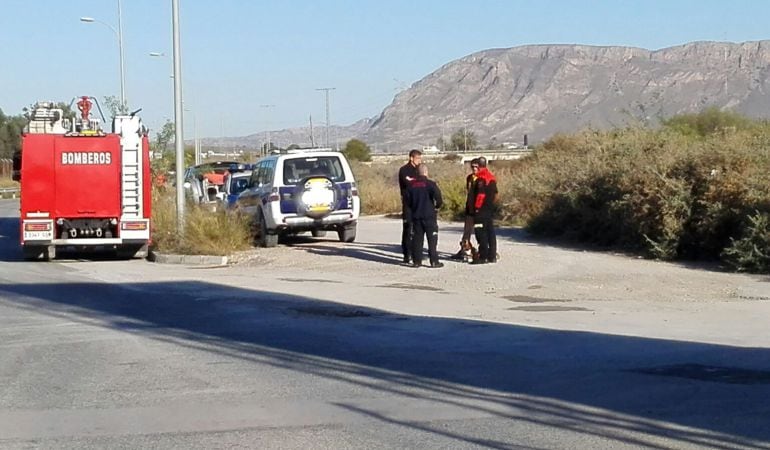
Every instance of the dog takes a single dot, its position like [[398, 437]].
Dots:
[[470, 253]]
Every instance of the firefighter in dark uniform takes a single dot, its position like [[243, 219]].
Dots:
[[485, 189], [406, 174], [423, 198]]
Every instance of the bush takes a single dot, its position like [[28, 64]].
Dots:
[[357, 150], [205, 232], [751, 253], [663, 193]]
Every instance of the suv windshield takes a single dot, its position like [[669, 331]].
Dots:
[[295, 169]]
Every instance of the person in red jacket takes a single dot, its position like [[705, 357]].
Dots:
[[485, 189], [470, 181]]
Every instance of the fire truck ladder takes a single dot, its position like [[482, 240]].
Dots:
[[131, 174]]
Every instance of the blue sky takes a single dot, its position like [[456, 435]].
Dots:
[[240, 54]]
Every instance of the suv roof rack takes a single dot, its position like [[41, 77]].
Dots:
[[301, 150]]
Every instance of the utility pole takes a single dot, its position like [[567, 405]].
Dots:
[[443, 142], [123, 103], [312, 136], [328, 123], [267, 123]]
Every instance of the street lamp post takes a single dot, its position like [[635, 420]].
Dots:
[[178, 115], [119, 35]]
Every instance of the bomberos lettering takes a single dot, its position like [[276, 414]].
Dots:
[[89, 158]]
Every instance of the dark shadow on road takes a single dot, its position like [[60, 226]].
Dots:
[[10, 249], [590, 383], [521, 236], [379, 253]]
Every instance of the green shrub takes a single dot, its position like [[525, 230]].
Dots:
[[751, 252]]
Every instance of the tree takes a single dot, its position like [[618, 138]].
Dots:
[[441, 144], [709, 121], [463, 140], [357, 150], [10, 134], [292, 147], [114, 106], [164, 137]]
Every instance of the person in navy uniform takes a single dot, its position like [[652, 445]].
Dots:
[[406, 174], [423, 198]]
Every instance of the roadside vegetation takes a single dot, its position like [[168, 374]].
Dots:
[[7, 182], [697, 188], [205, 232]]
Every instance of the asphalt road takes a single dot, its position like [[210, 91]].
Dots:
[[320, 345]]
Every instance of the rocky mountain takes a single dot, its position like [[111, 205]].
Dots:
[[539, 90]]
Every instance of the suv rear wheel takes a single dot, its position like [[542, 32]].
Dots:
[[347, 233], [266, 239]]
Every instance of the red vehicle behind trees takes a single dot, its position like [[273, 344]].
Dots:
[[82, 188]]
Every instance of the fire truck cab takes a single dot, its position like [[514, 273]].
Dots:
[[82, 188]]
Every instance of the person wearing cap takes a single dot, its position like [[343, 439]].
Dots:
[[406, 174], [485, 191], [470, 181], [423, 198]]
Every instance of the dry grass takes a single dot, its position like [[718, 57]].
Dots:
[[7, 182], [205, 232], [378, 186]]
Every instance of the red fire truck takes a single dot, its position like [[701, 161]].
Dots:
[[83, 188]]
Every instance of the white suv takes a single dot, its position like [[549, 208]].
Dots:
[[302, 190]]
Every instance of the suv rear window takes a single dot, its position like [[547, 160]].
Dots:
[[239, 185], [295, 169]]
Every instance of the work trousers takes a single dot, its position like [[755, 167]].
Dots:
[[467, 228], [487, 239], [425, 228], [406, 238]]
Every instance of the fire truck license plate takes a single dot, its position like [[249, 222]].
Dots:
[[37, 236]]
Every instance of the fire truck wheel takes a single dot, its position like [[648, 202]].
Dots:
[[32, 252], [131, 251]]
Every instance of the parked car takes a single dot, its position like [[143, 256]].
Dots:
[[302, 190], [204, 183], [234, 184]]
